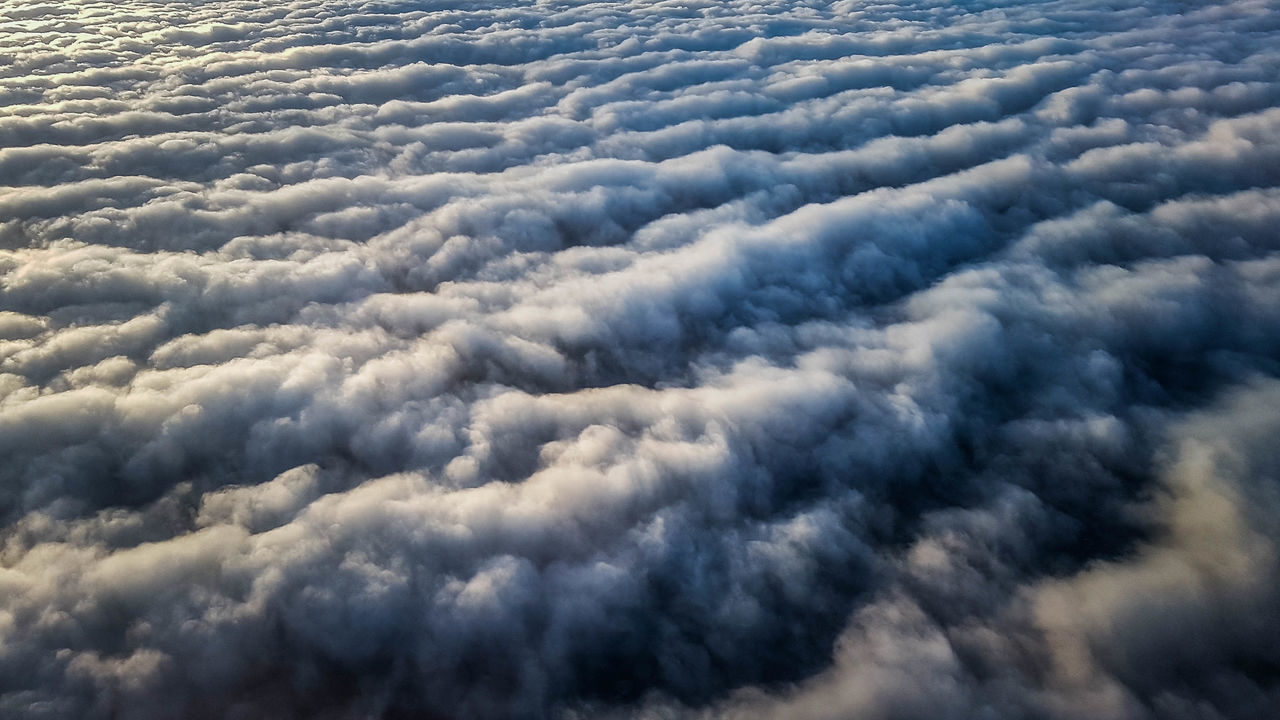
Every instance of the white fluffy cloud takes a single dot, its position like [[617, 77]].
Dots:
[[698, 359]]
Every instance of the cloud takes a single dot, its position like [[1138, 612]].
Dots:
[[731, 360], [1093, 643]]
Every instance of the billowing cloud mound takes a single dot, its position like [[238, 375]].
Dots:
[[643, 360]]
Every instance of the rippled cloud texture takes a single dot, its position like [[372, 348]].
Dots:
[[695, 359]]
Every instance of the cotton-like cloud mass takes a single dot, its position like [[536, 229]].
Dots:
[[720, 360]]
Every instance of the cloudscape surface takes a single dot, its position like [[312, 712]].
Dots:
[[906, 360]]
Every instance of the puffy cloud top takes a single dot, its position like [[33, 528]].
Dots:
[[747, 359]]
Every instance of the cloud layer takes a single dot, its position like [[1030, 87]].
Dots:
[[740, 359]]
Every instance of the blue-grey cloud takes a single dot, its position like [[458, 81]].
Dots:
[[650, 360]]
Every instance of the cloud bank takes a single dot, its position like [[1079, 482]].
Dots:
[[741, 359]]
